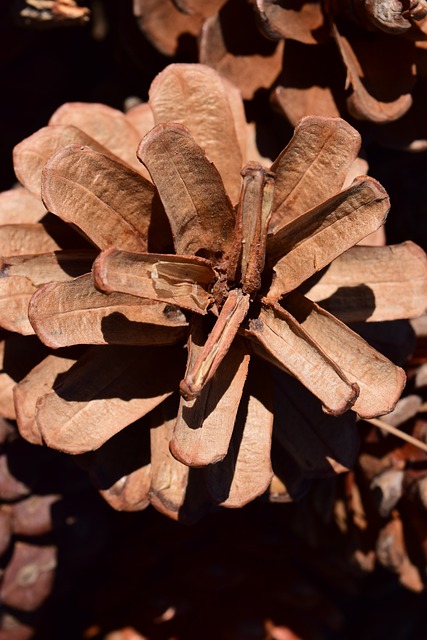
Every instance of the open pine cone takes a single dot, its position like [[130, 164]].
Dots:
[[366, 59], [347, 57], [228, 280]]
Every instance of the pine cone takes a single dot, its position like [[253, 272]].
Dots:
[[371, 77], [236, 281], [50, 13]]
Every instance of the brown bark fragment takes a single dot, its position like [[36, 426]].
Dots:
[[380, 381], [68, 313], [312, 241], [36, 383], [280, 339], [374, 284], [105, 391], [109, 202], [178, 94], [312, 167], [204, 426], [191, 189], [180, 280]]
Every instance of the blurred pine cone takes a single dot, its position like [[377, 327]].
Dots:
[[52, 527], [354, 59], [50, 13], [385, 497]]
